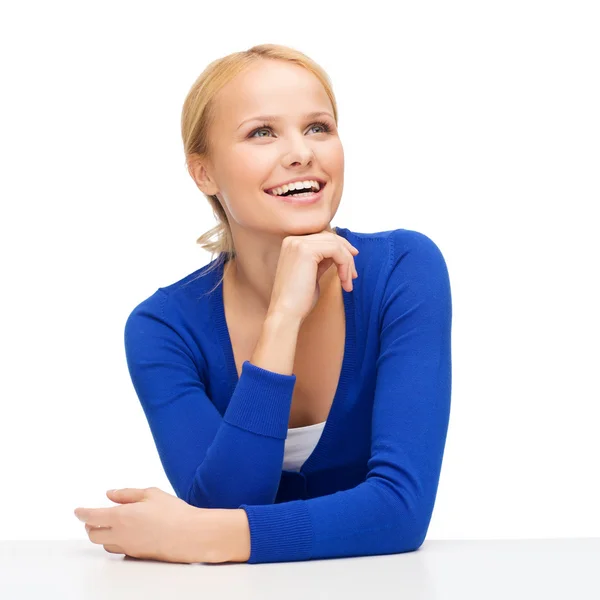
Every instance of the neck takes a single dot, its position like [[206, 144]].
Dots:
[[252, 280], [256, 300]]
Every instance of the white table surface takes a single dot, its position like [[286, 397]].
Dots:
[[440, 570]]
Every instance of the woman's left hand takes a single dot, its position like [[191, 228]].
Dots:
[[149, 523]]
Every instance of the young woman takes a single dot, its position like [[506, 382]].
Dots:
[[299, 411]]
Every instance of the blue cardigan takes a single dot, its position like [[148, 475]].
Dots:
[[370, 484]]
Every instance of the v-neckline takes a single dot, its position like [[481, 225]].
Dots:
[[348, 361]]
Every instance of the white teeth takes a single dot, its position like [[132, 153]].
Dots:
[[298, 185]]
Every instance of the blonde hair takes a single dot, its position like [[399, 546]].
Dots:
[[198, 115]]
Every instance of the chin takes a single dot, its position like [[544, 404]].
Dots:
[[307, 226]]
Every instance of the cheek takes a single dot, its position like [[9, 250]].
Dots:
[[339, 156], [248, 205], [249, 164], [332, 158]]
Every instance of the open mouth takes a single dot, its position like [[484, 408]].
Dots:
[[300, 194]]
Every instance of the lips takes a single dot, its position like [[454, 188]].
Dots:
[[321, 188], [300, 200], [321, 183]]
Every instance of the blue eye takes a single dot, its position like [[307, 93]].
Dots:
[[264, 126]]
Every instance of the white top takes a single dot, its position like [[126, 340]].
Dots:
[[299, 445]]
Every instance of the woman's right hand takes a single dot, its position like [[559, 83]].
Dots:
[[302, 262]]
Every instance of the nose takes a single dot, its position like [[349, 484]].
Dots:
[[299, 151]]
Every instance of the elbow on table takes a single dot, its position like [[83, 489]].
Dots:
[[402, 536], [412, 542], [419, 530], [418, 541], [404, 543], [410, 533], [410, 526]]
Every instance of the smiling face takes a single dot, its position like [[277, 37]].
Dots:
[[252, 155]]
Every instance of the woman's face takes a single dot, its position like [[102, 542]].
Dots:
[[250, 155]]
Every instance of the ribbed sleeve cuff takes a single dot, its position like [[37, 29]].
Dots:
[[261, 401], [279, 532]]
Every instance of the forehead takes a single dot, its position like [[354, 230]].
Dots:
[[270, 87]]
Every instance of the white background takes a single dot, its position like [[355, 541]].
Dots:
[[476, 123]]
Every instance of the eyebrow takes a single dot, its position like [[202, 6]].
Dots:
[[274, 118]]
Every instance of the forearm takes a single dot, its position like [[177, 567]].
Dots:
[[276, 347], [254, 426], [223, 534], [220, 535]]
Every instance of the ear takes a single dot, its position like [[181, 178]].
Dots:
[[198, 170]]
